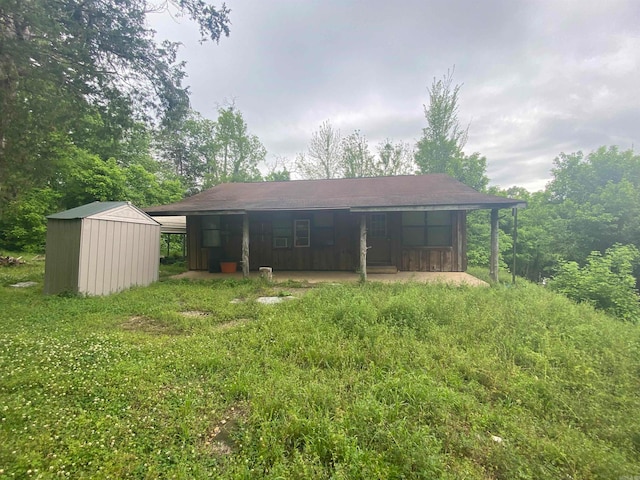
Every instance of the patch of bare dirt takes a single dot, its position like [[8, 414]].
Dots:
[[220, 440], [149, 325]]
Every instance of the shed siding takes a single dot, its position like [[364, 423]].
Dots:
[[116, 255], [62, 254], [102, 252]]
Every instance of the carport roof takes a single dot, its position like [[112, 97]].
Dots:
[[407, 192]]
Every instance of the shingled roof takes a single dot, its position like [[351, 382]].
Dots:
[[407, 192]]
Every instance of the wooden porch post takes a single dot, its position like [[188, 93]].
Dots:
[[245, 245], [363, 247], [514, 212], [493, 260]]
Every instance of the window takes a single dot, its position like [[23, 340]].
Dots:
[[323, 229], [302, 233], [439, 229], [211, 231], [427, 229], [282, 231], [377, 227]]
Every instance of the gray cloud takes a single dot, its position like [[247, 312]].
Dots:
[[538, 78]]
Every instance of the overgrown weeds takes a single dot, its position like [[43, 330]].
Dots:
[[348, 381]]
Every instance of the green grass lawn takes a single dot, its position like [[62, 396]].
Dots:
[[346, 381]]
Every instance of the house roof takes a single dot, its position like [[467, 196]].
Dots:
[[113, 211], [408, 192]]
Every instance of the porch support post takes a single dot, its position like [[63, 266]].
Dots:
[[363, 248], [493, 260], [514, 212], [245, 245]]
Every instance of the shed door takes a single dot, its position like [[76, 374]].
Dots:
[[378, 240]]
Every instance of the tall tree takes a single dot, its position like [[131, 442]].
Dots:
[[205, 152], [394, 159], [356, 159], [323, 156], [65, 61], [597, 196], [236, 153], [186, 147], [440, 150], [279, 170]]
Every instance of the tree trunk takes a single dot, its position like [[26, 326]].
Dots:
[[245, 246]]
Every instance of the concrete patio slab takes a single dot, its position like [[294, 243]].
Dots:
[[454, 278]]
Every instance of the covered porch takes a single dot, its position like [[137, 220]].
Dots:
[[414, 223]]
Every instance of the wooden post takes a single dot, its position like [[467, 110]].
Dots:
[[493, 261], [245, 245], [363, 248], [514, 211]]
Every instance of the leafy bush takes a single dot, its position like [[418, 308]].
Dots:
[[606, 281], [24, 224]]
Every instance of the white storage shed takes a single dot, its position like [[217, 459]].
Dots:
[[101, 248]]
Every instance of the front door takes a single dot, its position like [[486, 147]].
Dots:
[[378, 240]]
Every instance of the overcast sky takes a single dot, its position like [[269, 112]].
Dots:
[[538, 77]]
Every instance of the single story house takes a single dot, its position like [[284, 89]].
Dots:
[[411, 222]]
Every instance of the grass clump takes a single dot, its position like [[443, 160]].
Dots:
[[347, 381]]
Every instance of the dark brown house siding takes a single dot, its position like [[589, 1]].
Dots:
[[333, 244]]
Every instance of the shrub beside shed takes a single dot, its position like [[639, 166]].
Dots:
[[101, 248]]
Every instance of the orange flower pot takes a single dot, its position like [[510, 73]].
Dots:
[[228, 267]]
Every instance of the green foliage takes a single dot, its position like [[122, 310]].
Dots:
[[204, 153], [347, 381], [591, 204], [91, 179], [597, 197], [331, 156], [394, 159], [236, 153], [23, 224], [282, 175], [143, 188], [479, 238], [356, 159], [606, 281], [82, 178], [81, 72], [323, 156], [440, 148]]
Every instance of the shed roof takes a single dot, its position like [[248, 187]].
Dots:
[[407, 192], [87, 210], [114, 211]]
